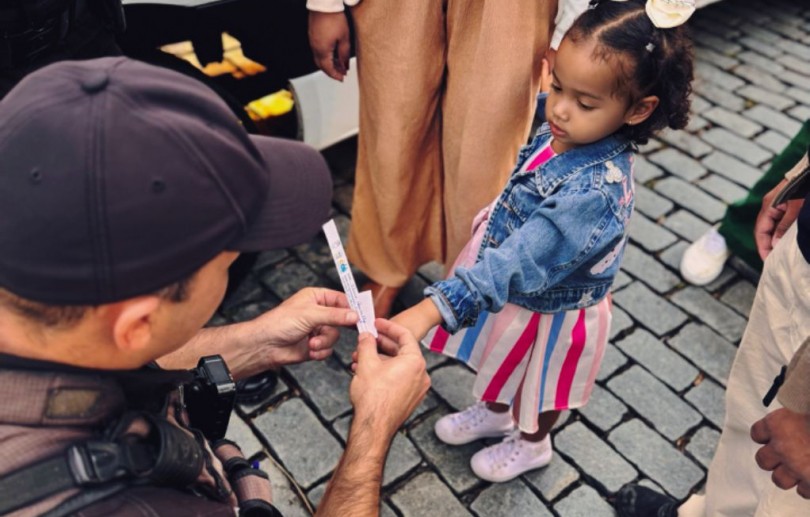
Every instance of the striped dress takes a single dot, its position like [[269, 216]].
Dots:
[[536, 362]]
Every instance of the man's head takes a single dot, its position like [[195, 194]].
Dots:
[[122, 183]]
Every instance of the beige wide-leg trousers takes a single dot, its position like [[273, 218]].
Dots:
[[447, 92], [778, 324]]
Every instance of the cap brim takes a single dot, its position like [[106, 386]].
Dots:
[[298, 200]]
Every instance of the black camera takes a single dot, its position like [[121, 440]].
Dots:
[[210, 397]]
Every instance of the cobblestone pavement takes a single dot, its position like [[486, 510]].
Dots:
[[657, 408]]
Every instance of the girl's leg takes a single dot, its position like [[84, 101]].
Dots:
[[545, 421]]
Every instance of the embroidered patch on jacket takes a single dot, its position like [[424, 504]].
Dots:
[[614, 173], [608, 260], [587, 298]]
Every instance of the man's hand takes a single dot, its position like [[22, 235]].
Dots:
[[385, 390], [329, 39], [773, 222], [786, 439], [301, 328]]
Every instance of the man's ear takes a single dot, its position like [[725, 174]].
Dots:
[[134, 323], [641, 110]]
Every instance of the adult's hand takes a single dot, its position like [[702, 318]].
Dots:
[[385, 390], [773, 222], [329, 39], [301, 328], [785, 436]]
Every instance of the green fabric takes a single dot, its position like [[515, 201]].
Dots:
[[737, 226]]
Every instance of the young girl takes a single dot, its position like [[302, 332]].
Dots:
[[531, 287]]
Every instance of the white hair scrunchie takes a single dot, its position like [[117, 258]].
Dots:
[[666, 14]]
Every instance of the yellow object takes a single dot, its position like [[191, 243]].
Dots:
[[272, 105]]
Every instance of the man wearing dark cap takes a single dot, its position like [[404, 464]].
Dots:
[[126, 192]]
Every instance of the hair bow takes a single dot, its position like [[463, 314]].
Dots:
[[666, 14]]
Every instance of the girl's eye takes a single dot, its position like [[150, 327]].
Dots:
[[556, 87], [585, 107]]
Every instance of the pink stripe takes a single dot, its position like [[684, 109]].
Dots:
[[542, 157], [601, 341], [513, 359], [569, 368], [502, 322], [439, 340]]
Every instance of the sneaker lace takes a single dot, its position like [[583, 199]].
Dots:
[[507, 450], [714, 243], [472, 416]]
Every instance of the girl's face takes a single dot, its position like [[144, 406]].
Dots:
[[582, 105]]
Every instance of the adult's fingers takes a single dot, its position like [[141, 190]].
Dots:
[[765, 227], [766, 458], [402, 336], [783, 478], [760, 432], [803, 489], [367, 348], [343, 52]]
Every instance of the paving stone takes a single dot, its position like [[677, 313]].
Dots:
[[435, 360], [734, 145], [800, 94], [432, 271], [289, 279], [251, 310], [710, 400], [240, 433], [594, 456], [316, 254], [326, 384], [717, 59], [727, 275], [427, 495], [696, 123], [797, 49], [621, 280], [270, 258], [652, 145], [761, 95], [612, 361], [698, 104], [721, 45], [732, 168], [801, 113], [740, 297], [691, 198], [764, 80], [249, 290], [644, 267], [760, 61], [677, 163], [619, 323], [584, 502], [760, 46], [719, 95], [603, 409], [773, 119], [650, 235], [429, 403], [655, 402], [651, 204], [285, 497], [687, 143], [304, 446], [656, 457], [659, 359], [731, 120], [454, 384], [672, 255], [551, 480], [509, 499], [649, 309], [345, 346], [249, 408], [722, 188], [772, 140], [703, 444], [713, 313], [686, 225], [712, 353], [452, 462], [342, 197], [644, 171], [793, 79], [412, 292], [402, 456]]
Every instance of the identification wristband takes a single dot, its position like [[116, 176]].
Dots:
[[361, 303]]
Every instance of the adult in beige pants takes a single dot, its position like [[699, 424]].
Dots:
[[447, 94]]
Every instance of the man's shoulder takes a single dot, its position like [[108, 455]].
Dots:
[[151, 500]]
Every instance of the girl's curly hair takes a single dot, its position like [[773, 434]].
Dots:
[[651, 61]]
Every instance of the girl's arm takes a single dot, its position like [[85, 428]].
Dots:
[[563, 232], [420, 318]]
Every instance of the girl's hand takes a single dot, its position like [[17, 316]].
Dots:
[[419, 319]]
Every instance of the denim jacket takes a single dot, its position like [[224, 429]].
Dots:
[[555, 236]]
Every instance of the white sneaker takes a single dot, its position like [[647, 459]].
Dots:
[[511, 458], [472, 424], [703, 260]]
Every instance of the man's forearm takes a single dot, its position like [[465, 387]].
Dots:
[[355, 486]]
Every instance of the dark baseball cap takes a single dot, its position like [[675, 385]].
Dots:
[[118, 178]]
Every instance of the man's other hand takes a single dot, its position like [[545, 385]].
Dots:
[[385, 390], [785, 436], [329, 39], [773, 222]]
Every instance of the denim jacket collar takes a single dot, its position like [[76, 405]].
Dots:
[[562, 166]]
